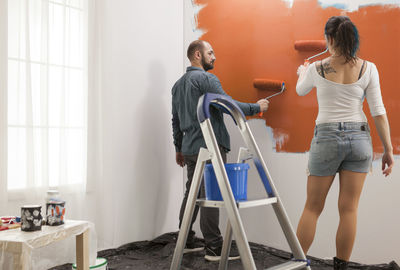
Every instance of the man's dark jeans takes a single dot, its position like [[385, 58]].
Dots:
[[209, 217]]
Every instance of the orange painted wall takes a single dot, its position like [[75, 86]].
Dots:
[[255, 39]]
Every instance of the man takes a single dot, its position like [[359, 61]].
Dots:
[[188, 138]]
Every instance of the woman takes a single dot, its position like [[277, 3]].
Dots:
[[341, 142]]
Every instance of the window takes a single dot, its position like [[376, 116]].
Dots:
[[47, 93]]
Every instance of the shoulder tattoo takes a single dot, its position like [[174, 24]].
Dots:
[[328, 68]]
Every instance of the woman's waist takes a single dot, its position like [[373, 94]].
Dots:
[[340, 117], [342, 126]]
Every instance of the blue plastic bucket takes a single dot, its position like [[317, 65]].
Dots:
[[237, 174]]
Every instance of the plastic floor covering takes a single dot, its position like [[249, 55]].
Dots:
[[157, 254]]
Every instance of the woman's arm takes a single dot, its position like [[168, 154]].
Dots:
[[382, 125], [301, 71], [305, 82]]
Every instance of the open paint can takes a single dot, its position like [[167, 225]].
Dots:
[[55, 212]]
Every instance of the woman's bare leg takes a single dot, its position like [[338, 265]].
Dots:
[[317, 190], [351, 184]]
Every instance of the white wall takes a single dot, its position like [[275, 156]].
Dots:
[[132, 170]]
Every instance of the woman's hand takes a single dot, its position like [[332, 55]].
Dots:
[[387, 163], [302, 68], [382, 126]]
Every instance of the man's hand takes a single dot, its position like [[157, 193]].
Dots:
[[263, 104], [179, 159]]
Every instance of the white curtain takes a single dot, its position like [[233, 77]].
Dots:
[[3, 104], [46, 97]]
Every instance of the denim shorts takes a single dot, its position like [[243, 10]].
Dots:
[[340, 146]]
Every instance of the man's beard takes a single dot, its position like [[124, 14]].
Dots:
[[206, 66]]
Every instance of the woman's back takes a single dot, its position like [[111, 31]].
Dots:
[[336, 70]]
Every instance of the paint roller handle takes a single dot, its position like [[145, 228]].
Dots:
[[311, 57], [266, 99]]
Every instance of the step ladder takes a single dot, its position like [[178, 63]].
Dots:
[[234, 224]]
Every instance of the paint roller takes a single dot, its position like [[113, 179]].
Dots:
[[269, 85], [311, 46]]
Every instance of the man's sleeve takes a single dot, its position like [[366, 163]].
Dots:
[[176, 130], [214, 86]]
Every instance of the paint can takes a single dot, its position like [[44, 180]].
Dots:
[[31, 218], [55, 212], [101, 264]]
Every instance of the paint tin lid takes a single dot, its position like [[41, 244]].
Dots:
[[55, 202], [31, 206]]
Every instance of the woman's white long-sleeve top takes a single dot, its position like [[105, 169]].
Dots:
[[343, 102]]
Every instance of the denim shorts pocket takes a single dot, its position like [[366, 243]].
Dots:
[[323, 149], [361, 149]]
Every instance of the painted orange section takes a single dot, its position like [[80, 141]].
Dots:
[[255, 39]]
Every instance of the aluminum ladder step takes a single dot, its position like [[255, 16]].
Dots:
[[239, 204], [291, 265]]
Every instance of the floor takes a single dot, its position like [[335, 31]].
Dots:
[[157, 254]]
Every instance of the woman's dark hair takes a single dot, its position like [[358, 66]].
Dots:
[[345, 36]]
